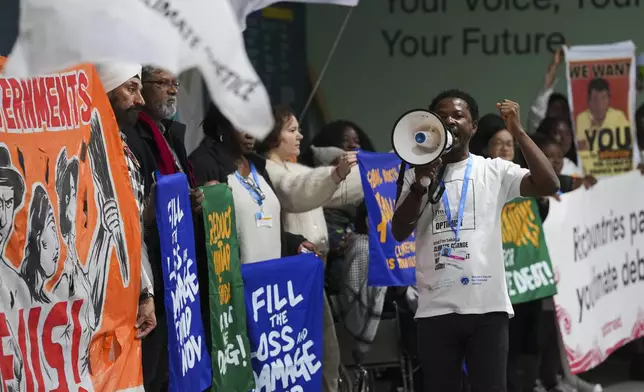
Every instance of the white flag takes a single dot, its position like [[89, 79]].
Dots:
[[244, 7], [176, 35]]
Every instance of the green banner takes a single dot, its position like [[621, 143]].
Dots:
[[528, 270], [232, 371]]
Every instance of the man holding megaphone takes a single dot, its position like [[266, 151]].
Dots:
[[463, 304]]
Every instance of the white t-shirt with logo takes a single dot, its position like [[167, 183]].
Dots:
[[469, 277]]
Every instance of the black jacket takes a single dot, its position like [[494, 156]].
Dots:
[[175, 135], [143, 146]]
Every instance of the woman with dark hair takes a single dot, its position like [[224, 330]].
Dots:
[[342, 134], [492, 139], [560, 130], [43, 248]]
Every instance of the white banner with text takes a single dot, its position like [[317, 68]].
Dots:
[[596, 243]]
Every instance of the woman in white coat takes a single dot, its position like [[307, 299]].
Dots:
[[302, 192]]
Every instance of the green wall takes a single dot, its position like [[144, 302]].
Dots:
[[372, 81]]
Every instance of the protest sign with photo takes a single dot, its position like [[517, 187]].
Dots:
[[231, 359], [601, 92], [595, 239], [70, 239], [391, 263], [189, 361], [527, 263], [284, 306]]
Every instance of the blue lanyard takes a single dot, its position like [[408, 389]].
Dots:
[[254, 189], [461, 203]]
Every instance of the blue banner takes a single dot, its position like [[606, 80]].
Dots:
[[391, 263], [284, 313], [189, 361]]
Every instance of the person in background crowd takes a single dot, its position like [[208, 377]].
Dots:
[[333, 138], [301, 188], [560, 130], [552, 149], [302, 191], [163, 136], [548, 103], [226, 155], [457, 321], [122, 84], [492, 139], [158, 143], [342, 134]]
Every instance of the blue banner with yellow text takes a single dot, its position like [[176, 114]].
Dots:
[[189, 361], [284, 313], [391, 263]]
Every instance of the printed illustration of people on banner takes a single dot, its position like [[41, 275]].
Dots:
[[189, 361], [391, 263], [69, 231], [284, 300], [601, 90], [231, 360], [595, 238], [528, 270]]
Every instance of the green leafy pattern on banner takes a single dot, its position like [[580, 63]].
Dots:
[[528, 270], [231, 363]]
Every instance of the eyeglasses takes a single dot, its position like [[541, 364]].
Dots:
[[503, 143], [165, 83]]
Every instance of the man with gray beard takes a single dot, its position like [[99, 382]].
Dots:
[[160, 144]]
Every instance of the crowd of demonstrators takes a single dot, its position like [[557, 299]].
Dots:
[[284, 208]]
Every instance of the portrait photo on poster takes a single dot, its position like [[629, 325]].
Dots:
[[601, 87]]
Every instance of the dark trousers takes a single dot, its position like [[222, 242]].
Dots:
[[481, 340], [550, 359], [524, 337]]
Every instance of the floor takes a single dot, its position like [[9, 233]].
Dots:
[[612, 375]]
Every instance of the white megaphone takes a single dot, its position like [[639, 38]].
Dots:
[[419, 138]]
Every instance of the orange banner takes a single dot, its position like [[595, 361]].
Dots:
[[70, 241]]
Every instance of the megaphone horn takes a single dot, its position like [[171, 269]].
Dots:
[[419, 138]]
